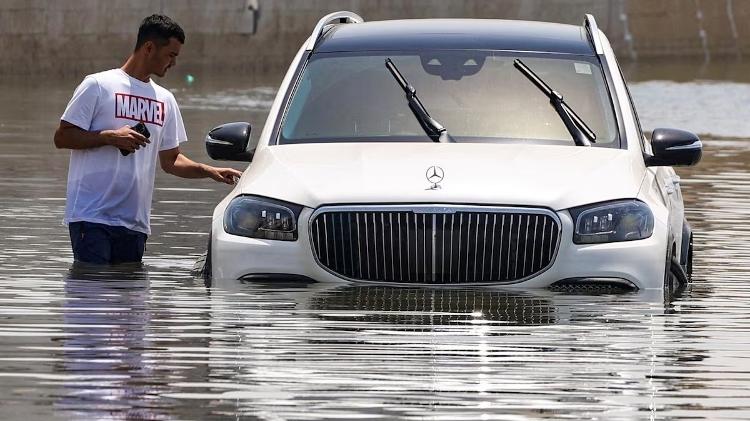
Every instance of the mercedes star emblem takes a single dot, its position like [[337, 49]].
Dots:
[[434, 175]]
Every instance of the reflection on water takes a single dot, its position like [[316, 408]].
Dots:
[[154, 343], [105, 323]]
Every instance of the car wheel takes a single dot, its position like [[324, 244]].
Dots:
[[686, 249], [671, 283]]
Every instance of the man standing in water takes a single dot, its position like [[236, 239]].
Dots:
[[112, 166]]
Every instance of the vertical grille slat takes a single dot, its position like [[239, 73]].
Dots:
[[518, 244], [507, 250], [400, 254], [424, 247], [492, 247], [390, 227], [351, 244], [454, 247], [367, 247], [450, 270], [359, 249], [484, 244], [375, 246], [408, 248], [544, 233], [526, 245], [533, 245], [334, 246], [325, 235], [433, 259], [442, 249], [460, 241]]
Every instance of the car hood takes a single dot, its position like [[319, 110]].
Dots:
[[555, 177]]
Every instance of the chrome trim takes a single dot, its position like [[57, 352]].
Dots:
[[359, 250], [592, 30], [213, 141], [484, 243], [594, 280], [695, 145], [533, 249], [450, 266], [544, 232], [347, 17], [434, 247], [449, 209], [526, 249], [375, 243], [502, 236], [325, 232], [367, 246], [400, 254], [390, 224], [492, 248]]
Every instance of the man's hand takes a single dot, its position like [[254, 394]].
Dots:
[[124, 138], [70, 136], [175, 163], [224, 175]]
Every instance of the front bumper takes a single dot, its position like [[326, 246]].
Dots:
[[640, 263]]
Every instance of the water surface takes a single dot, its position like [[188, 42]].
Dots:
[[155, 343]]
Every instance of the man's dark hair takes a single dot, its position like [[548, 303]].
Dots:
[[159, 29]]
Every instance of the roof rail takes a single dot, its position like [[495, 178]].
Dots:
[[592, 30], [335, 17]]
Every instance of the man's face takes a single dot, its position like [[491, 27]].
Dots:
[[161, 58]]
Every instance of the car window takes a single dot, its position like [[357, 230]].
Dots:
[[479, 96], [645, 142]]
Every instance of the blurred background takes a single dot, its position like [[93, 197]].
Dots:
[[73, 37]]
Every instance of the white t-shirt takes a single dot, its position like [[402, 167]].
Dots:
[[104, 186]]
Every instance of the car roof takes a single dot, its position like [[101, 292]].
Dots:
[[472, 34]]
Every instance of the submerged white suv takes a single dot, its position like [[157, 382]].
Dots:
[[454, 152]]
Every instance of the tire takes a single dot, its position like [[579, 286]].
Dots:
[[686, 249], [671, 283]]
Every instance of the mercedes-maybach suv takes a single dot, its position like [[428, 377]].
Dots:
[[452, 151]]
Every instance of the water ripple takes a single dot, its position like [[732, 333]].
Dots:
[[152, 342]]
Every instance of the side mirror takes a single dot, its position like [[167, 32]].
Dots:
[[229, 142], [674, 147]]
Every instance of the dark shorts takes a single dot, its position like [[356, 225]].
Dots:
[[106, 244]]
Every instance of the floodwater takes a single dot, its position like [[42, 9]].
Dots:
[[155, 343]]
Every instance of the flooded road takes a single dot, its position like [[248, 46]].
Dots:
[[155, 343]]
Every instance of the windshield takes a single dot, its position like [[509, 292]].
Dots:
[[478, 96]]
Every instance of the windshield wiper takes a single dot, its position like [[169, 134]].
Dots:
[[434, 130], [582, 134]]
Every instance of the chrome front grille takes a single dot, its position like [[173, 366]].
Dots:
[[434, 244]]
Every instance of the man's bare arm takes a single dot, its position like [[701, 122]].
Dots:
[[70, 136], [175, 163]]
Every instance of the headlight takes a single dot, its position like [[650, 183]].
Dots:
[[258, 217], [622, 220]]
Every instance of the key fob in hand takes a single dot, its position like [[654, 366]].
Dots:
[[140, 128]]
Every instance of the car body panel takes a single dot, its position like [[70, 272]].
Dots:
[[457, 34], [640, 262], [555, 177]]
